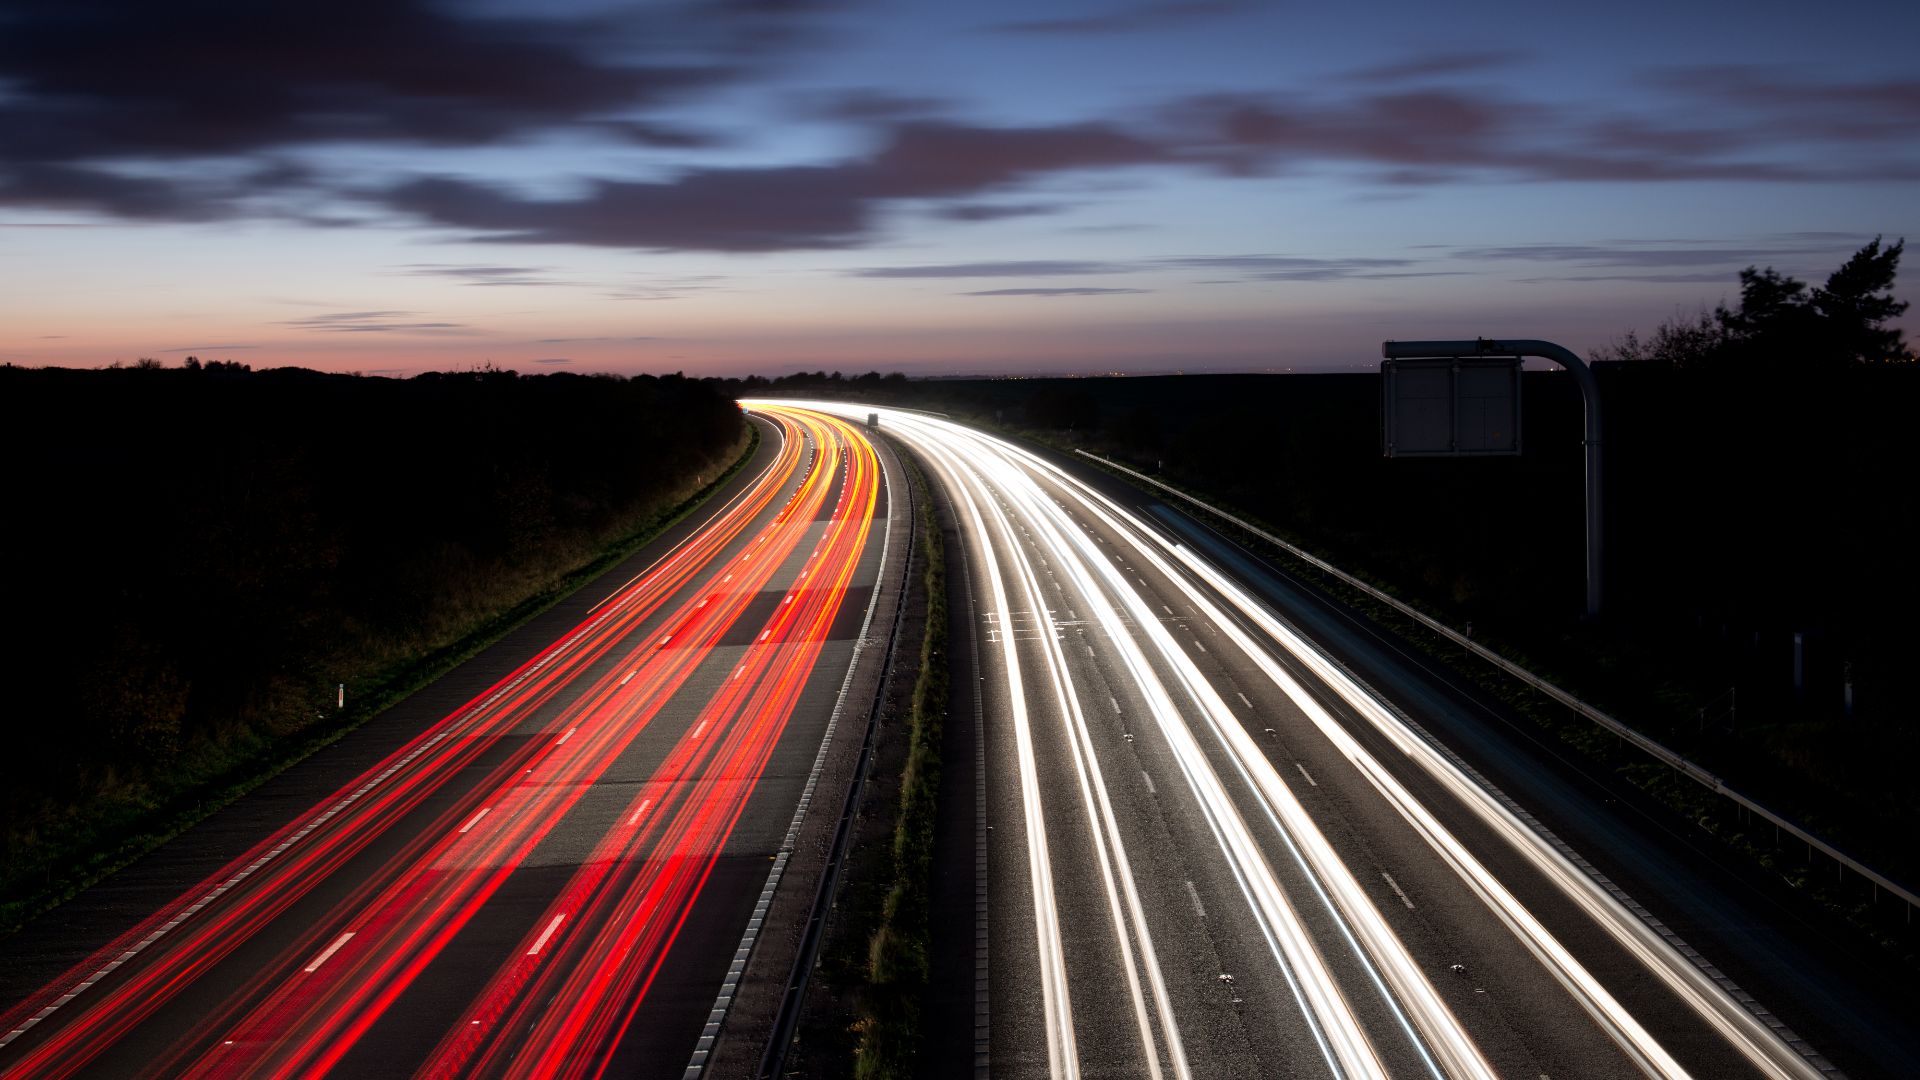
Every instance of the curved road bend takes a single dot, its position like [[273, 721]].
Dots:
[[548, 880], [1216, 853]]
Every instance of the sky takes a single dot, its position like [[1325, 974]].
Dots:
[[754, 186]]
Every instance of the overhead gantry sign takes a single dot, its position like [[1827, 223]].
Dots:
[[1462, 399]]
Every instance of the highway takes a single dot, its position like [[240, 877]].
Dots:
[[549, 879], [1214, 851]]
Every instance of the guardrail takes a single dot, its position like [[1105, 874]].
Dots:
[[1666, 755]]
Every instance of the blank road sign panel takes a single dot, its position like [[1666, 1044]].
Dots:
[[1447, 407], [1422, 411]]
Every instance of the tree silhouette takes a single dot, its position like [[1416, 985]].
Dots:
[[1857, 301], [1780, 325]]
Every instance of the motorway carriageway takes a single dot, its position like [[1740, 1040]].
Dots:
[[1214, 852], [502, 895]]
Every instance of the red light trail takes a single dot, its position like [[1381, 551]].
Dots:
[[408, 859]]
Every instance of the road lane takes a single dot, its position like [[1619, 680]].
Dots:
[[1310, 887], [533, 858]]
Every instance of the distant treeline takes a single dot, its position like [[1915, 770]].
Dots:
[[196, 556]]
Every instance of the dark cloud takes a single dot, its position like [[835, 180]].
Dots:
[[211, 98], [1428, 65], [365, 322], [1664, 279], [88, 82], [1054, 292], [555, 360], [994, 211], [1017, 268], [585, 340], [779, 208], [1293, 268], [1792, 103], [485, 275], [217, 77], [1623, 253], [209, 348], [80, 187], [1438, 136], [1154, 16], [871, 105]]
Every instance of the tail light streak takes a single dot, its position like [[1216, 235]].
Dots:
[[407, 908]]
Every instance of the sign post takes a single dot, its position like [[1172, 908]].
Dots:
[[1419, 375]]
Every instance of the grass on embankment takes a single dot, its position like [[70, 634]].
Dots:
[[126, 824], [897, 953]]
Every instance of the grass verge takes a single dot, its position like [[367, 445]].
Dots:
[[122, 834], [897, 965]]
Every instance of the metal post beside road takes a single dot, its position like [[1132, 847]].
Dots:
[[1589, 393]]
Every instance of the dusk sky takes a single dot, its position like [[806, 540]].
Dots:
[[753, 186]]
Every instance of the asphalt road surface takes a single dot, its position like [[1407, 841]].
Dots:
[[550, 879], [1215, 851]]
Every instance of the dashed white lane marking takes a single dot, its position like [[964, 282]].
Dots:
[[764, 633], [328, 951], [629, 675], [1193, 894], [567, 736], [1305, 773], [1115, 702], [666, 639], [644, 803], [1397, 891], [1166, 609], [1150, 788], [225, 886], [547, 933], [1089, 649], [1243, 699], [701, 730], [475, 819], [1199, 646]]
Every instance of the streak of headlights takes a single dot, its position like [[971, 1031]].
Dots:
[[1342, 1040], [1758, 1043]]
